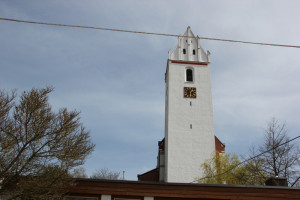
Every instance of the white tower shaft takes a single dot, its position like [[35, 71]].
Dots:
[[189, 129]]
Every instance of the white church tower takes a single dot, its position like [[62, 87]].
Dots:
[[189, 128]]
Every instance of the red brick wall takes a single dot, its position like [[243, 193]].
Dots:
[[220, 147]]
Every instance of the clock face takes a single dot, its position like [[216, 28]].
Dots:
[[189, 92]]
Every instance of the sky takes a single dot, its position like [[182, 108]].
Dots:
[[116, 80]]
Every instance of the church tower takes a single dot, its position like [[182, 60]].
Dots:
[[189, 128]]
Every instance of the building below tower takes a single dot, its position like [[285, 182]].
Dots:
[[157, 174]]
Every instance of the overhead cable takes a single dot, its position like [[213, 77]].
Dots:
[[148, 33]]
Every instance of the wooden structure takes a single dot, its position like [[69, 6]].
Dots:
[[91, 189]]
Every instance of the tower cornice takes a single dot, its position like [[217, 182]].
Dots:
[[188, 62]]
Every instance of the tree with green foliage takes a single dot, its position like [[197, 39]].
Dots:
[[227, 169], [38, 147]]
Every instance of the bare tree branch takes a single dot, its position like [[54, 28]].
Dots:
[[281, 160], [37, 145]]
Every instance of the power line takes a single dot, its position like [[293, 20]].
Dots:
[[247, 160], [148, 33], [88, 27]]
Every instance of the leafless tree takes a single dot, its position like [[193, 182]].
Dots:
[[79, 173], [278, 160], [38, 147], [106, 174]]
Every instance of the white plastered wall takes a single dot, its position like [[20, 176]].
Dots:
[[189, 129]]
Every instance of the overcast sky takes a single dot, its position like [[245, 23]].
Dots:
[[116, 79]]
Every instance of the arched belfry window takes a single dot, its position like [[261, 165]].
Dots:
[[189, 75]]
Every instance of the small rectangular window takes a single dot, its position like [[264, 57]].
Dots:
[[194, 52], [191, 126], [184, 51], [189, 75]]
